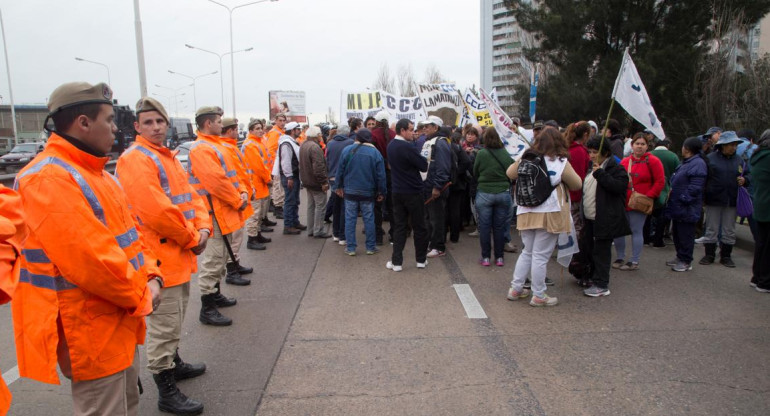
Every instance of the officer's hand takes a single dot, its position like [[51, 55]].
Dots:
[[197, 250], [290, 183], [154, 287]]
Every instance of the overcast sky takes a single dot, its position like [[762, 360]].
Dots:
[[316, 46]]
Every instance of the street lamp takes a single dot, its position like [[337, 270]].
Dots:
[[221, 75], [175, 96], [109, 82], [195, 97], [232, 61]]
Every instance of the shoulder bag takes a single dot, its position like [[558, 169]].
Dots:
[[638, 201]]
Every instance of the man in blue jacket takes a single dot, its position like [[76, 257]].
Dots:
[[360, 180], [439, 155], [333, 151]]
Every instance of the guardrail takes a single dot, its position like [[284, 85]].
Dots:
[[8, 179]]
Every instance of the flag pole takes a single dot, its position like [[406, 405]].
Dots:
[[606, 123]]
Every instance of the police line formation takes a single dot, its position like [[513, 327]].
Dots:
[[97, 264]]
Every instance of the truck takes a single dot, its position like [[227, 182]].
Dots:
[[180, 130]]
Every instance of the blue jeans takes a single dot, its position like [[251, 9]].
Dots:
[[636, 221], [351, 215], [493, 211], [290, 203]]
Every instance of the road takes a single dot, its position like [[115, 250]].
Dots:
[[322, 333]]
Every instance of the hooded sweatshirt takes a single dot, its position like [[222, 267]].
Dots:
[[334, 150]]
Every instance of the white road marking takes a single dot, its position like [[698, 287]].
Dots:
[[11, 375], [472, 306]]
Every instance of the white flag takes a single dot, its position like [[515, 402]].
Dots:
[[630, 93], [514, 142]]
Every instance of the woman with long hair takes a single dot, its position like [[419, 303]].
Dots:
[[647, 177], [493, 200], [541, 225]]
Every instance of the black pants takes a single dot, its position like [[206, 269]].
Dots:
[[454, 213], [661, 225], [683, 234], [600, 252], [408, 208], [761, 267], [435, 218], [383, 210], [338, 216]]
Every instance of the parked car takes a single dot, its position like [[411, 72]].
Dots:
[[183, 152], [20, 155]]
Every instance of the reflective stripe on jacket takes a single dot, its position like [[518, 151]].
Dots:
[[255, 151], [243, 170], [168, 209], [84, 263], [12, 235], [213, 175]]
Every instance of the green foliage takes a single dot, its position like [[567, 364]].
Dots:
[[583, 41]]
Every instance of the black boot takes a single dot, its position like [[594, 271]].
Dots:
[[254, 244], [243, 270], [183, 370], [725, 253], [262, 239], [221, 300], [269, 223], [233, 277], [170, 399], [210, 314], [711, 254], [266, 229], [278, 213]]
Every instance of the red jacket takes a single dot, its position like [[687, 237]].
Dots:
[[580, 161], [647, 176], [381, 142]]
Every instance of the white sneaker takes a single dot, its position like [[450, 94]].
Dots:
[[700, 240], [422, 265], [335, 239], [390, 266], [342, 242], [436, 253]]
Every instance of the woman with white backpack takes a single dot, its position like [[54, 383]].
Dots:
[[544, 176]]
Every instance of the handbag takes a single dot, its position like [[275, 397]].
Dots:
[[744, 206], [638, 201]]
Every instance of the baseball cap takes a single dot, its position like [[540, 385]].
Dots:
[[291, 126]]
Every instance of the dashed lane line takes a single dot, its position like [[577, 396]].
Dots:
[[472, 306]]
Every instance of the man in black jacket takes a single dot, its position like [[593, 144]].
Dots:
[[439, 155]]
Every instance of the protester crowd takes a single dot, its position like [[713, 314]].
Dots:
[[100, 263]]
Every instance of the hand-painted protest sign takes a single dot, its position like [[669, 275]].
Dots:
[[478, 108], [400, 107], [290, 103], [441, 100], [359, 104], [514, 142]]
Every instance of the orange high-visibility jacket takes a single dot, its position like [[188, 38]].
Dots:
[[243, 171], [254, 151], [272, 144], [84, 263], [168, 209], [213, 175], [12, 235]]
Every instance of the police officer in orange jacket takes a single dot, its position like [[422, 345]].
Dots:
[[12, 235], [87, 279], [257, 157], [176, 225], [214, 177]]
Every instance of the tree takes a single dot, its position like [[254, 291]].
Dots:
[[754, 96], [406, 81], [384, 80], [583, 41], [433, 75]]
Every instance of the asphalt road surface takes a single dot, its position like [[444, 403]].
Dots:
[[322, 333]]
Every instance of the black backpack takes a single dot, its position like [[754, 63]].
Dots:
[[533, 186]]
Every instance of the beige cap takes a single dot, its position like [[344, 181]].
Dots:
[[228, 122], [77, 93], [147, 104], [254, 121], [209, 110]]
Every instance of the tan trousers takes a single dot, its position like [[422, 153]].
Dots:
[[254, 223], [236, 240], [114, 395], [213, 260], [277, 192], [164, 328]]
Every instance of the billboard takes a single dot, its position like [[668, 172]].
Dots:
[[291, 103]]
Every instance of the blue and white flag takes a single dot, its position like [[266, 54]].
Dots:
[[515, 143], [533, 95], [630, 93]]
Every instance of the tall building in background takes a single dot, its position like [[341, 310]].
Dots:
[[503, 65], [759, 39]]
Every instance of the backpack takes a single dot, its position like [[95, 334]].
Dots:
[[533, 186], [427, 152]]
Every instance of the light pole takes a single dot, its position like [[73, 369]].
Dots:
[[140, 50], [8, 71], [195, 97], [175, 96], [221, 75], [232, 60], [109, 82]]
